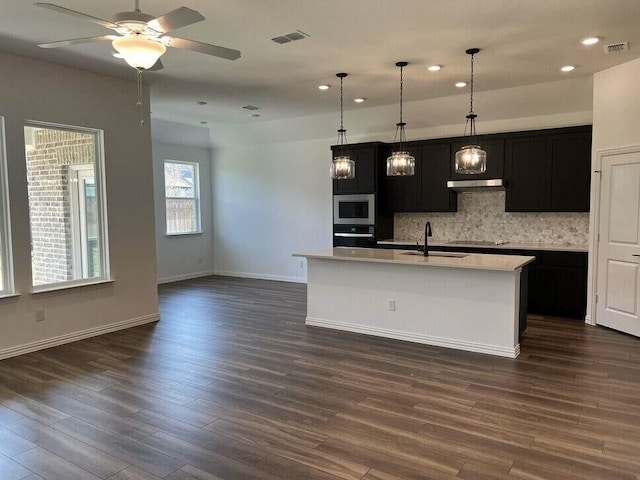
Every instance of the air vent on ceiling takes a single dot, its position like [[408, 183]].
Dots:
[[251, 107], [616, 47], [290, 37]]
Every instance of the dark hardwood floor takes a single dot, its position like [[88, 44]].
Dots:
[[230, 384]]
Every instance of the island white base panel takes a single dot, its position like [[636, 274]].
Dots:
[[472, 310]]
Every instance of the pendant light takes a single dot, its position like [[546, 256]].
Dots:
[[401, 162], [471, 159], [342, 167]]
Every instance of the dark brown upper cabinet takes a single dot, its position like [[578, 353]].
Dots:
[[570, 172], [435, 169], [544, 171], [366, 156], [427, 190], [402, 192], [548, 170], [526, 174]]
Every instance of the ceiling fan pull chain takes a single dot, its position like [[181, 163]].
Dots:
[[139, 103]]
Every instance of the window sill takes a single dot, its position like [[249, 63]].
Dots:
[[9, 297], [68, 288], [186, 234]]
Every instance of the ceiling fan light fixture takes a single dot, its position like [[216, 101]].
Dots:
[[471, 159], [138, 51]]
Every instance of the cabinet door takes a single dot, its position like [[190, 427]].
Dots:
[[570, 172], [495, 159], [526, 174], [402, 192], [434, 168], [365, 180]]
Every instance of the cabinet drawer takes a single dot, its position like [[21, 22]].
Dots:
[[564, 259]]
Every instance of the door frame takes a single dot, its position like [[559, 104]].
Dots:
[[594, 226]]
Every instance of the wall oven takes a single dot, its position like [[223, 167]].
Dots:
[[354, 236], [354, 209]]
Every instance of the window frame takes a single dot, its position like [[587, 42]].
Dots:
[[101, 198], [196, 198], [6, 252]]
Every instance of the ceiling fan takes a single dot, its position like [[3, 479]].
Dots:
[[142, 38]]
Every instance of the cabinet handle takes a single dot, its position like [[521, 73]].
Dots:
[[635, 254], [354, 235]]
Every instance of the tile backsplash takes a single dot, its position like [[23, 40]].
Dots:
[[481, 216]]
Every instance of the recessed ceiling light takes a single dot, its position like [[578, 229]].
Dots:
[[324, 87], [434, 68], [590, 40], [359, 100], [202, 103], [568, 68], [461, 84]]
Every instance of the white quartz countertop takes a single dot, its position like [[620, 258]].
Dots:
[[563, 247], [505, 263]]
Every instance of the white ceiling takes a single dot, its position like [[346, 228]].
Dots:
[[523, 42]]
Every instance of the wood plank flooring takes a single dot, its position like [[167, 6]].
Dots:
[[231, 384]]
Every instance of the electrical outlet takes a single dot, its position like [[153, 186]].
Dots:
[[39, 314], [392, 305]]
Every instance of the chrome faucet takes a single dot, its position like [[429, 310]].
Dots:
[[427, 234]]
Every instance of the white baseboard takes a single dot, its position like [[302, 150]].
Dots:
[[416, 338], [259, 276], [587, 319], [186, 276], [75, 336]]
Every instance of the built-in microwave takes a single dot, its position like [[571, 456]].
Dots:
[[354, 209]]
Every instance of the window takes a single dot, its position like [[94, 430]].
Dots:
[[6, 273], [182, 194], [67, 211]]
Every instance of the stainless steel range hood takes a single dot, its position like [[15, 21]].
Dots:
[[474, 185]]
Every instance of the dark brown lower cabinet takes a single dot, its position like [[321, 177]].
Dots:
[[559, 284]]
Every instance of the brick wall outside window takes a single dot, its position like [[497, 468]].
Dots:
[[49, 201]]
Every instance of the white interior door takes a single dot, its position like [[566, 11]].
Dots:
[[618, 281]]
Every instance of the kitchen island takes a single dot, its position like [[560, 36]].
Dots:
[[470, 302]]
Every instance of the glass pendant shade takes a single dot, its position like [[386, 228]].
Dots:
[[138, 51], [400, 164], [343, 168], [471, 160]]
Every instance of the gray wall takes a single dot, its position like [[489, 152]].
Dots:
[[616, 102], [36, 90], [183, 256]]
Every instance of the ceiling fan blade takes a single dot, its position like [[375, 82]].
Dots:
[[74, 13], [200, 47], [178, 18], [74, 41], [156, 66]]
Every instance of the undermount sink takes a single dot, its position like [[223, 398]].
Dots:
[[437, 254]]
